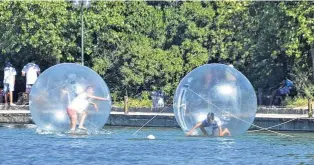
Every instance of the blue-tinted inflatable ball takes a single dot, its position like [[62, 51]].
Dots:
[[56, 89], [218, 89]]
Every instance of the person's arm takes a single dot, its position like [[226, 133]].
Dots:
[[95, 105], [283, 84], [24, 70], [14, 74], [203, 130], [38, 70], [199, 124], [220, 131], [98, 98], [13, 81], [65, 91]]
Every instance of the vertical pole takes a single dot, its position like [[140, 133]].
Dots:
[[260, 96], [57, 60], [312, 54], [126, 110], [82, 34], [310, 111]]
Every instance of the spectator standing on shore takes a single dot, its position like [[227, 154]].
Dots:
[[31, 70], [8, 82]]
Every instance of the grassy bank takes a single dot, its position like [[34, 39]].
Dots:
[[295, 102], [135, 103], [139, 103]]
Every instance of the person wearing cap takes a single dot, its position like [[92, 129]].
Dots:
[[8, 82], [210, 121]]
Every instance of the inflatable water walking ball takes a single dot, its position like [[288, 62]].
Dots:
[[56, 88], [218, 89]]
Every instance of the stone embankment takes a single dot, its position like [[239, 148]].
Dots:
[[277, 119]]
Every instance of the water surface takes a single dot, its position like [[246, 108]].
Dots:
[[117, 145]]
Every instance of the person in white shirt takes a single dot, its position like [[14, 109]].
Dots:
[[8, 82], [79, 106], [31, 70]]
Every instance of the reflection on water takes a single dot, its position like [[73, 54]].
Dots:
[[116, 145]]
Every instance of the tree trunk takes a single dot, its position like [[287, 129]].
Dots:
[[312, 54], [57, 60]]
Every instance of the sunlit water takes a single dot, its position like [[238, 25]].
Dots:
[[117, 145]]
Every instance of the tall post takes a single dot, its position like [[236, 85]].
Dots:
[[260, 96], [82, 34], [126, 110], [312, 54], [310, 110], [81, 4]]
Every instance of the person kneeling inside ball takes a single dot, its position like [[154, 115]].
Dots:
[[79, 106], [210, 121]]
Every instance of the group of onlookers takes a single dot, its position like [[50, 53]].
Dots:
[[30, 70]]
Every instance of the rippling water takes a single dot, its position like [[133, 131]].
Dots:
[[117, 145]]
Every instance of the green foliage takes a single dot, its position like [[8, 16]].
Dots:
[[135, 103], [296, 102], [138, 47]]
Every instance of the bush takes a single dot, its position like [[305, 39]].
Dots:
[[296, 102], [135, 103]]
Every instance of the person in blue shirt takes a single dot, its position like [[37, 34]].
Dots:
[[210, 121], [284, 89]]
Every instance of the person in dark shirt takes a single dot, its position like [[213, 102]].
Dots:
[[285, 88], [210, 121]]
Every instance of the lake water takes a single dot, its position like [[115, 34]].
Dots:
[[117, 145]]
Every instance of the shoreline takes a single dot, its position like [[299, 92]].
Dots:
[[275, 119]]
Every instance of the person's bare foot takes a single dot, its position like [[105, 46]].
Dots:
[[83, 128], [71, 131]]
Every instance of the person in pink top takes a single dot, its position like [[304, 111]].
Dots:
[[79, 106]]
